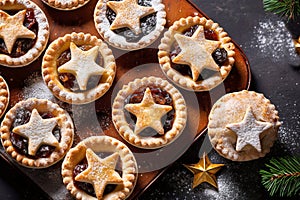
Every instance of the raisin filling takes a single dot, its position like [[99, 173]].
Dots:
[[88, 187], [160, 96], [147, 23], [68, 80], [22, 45], [20, 143], [219, 55]]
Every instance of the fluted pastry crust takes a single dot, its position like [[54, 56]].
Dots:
[[129, 134], [100, 144], [64, 122], [51, 75], [233, 109], [103, 27], [42, 35], [185, 81]]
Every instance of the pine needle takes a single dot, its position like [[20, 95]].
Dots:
[[283, 177], [289, 9]]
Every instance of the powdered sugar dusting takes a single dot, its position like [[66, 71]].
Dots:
[[273, 40], [289, 138], [34, 87]]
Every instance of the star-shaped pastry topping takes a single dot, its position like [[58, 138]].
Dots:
[[129, 13], [100, 172], [82, 65], [148, 113], [38, 131], [248, 131], [12, 28], [196, 51], [204, 171]]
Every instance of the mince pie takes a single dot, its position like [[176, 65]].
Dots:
[[37, 133], [78, 68], [100, 167], [24, 32], [4, 96], [66, 4], [130, 24], [196, 53], [243, 125], [149, 112]]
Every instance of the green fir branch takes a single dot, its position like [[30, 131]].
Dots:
[[289, 9], [283, 177]]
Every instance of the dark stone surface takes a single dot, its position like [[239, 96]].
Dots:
[[275, 72], [275, 68]]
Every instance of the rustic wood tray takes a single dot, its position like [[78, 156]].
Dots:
[[130, 65]]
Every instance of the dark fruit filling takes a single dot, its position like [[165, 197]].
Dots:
[[21, 143], [160, 96], [22, 45], [68, 80], [87, 187], [219, 55], [147, 23]]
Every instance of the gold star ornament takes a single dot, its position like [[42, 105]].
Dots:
[[129, 13], [38, 131], [297, 45], [196, 51], [100, 172], [12, 28], [148, 113], [204, 171]]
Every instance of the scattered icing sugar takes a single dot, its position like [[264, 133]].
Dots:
[[34, 87], [273, 40], [289, 138]]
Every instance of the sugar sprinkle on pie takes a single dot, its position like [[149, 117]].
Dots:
[[196, 52], [38, 131], [248, 131], [82, 65], [148, 113], [100, 172], [129, 13], [12, 28]]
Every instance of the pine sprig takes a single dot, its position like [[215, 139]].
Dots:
[[289, 9], [283, 177]]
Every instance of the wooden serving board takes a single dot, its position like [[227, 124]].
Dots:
[[27, 82]]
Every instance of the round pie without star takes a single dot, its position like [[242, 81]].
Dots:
[[37, 133], [24, 32], [100, 167], [78, 68], [130, 24], [149, 112], [243, 125], [196, 54]]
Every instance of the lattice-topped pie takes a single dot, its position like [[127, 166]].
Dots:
[[243, 125], [130, 24], [24, 32], [37, 133], [149, 112], [4, 96], [78, 68], [196, 53], [100, 167], [66, 4]]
